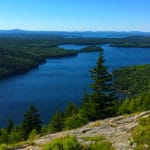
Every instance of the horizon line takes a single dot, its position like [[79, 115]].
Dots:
[[28, 30]]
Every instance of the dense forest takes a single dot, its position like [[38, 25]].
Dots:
[[91, 48], [134, 41], [135, 81], [20, 54], [132, 80]]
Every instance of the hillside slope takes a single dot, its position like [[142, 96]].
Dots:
[[117, 130]]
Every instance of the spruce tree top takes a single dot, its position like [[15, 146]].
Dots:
[[100, 75]]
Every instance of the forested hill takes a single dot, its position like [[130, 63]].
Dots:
[[18, 55], [133, 80], [23, 52]]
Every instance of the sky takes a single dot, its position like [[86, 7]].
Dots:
[[75, 15]]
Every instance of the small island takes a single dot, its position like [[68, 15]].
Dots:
[[91, 48]]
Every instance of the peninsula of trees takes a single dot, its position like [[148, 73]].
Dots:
[[91, 48]]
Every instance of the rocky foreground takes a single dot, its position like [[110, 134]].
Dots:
[[117, 130]]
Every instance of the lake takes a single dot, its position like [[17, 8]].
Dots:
[[59, 81]]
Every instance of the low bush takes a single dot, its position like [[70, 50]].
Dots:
[[141, 134], [65, 143], [98, 143]]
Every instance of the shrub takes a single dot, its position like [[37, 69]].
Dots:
[[33, 135], [74, 121], [141, 134], [136, 104], [99, 143], [3, 147], [65, 143], [100, 146]]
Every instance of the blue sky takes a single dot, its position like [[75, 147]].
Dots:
[[75, 15]]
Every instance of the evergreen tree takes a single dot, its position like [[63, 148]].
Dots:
[[10, 126], [31, 121], [123, 109], [135, 104], [74, 121], [103, 95], [56, 123], [71, 109], [87, 110], [85, 97]]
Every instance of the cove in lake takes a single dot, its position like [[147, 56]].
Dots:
[[72, 46], [58, 81]]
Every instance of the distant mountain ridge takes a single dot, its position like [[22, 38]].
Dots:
[[77, 34]]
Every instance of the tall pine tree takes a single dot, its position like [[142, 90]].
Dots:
[[10, 126], [31, 121], [57, 121], [71, 109], [103, 96]]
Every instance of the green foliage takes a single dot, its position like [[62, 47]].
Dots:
[[22, 53], [31, 121], [98, 143], [10, 125], [134, 41], [74, 121], [133, 80], [18, 55], [136, 104], [71, 109], [87, 110], [100, 104], [3, 146], [100, 146], [30, 127], [4, 136], [141, 134], [91, 48], [103, 95], [57, 122], [85, 97], [33, 135], [45, 129], [66, 143], [70, 143], [16, 135]]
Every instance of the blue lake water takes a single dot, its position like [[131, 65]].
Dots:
[[58, 81], [72, 46]]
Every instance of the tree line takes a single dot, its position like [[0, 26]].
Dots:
[[133, 79], [19, 54]]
